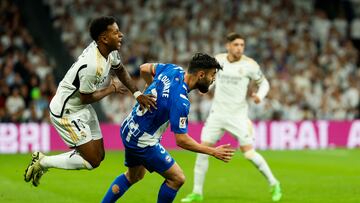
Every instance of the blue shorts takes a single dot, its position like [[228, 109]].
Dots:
[[154, 158]]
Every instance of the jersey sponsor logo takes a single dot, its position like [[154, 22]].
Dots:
[[83, 134], [168, 158], [100, 81], [182, 122]]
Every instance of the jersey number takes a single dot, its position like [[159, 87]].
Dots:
[[77, 123]]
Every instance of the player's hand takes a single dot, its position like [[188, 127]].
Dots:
[[147, 101], [255, 98], [224, 152], [117, 86]]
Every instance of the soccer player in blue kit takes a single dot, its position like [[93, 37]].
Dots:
[[141, 131]]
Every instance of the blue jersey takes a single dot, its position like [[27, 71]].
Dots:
[[143, 129]]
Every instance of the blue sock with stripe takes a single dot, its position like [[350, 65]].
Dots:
[[166, 194], [117, 189]]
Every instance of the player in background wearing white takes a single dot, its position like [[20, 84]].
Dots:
[[71, 112], [229, 112]]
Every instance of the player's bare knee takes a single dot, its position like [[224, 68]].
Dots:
[[178, 180], [133, 178], [181, 179], [141, 176], [95, 162], [137, 178]]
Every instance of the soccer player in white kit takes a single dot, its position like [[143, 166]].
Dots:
[[229, 112], [71, 112]]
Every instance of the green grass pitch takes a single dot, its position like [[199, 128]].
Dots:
[[306, 176]]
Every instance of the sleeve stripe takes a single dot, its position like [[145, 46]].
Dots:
[[184, 97], [115, 66], [153, 65], [259, 80]]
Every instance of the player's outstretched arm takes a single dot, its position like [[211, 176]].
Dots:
[[147, 72], [222, 152], [145, 101], [125, 78], [90, 98]]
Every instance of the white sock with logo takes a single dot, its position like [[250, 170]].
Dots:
[[201, 167], [261, 164], [67, 160]]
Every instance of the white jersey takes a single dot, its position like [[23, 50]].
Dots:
[[231, 85], [85, 75]]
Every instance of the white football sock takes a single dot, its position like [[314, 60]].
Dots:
[[261, 164], [201, 167], [68, 160]]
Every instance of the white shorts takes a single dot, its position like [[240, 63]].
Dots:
[[239, 127], [78, 128]]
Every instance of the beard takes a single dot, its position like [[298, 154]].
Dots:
[[203, 86]]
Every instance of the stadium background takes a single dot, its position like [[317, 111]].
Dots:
[[308, 50]]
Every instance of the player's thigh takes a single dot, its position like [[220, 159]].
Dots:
[[242, 129], [157, 159], [133, 158], [212, 130], [174, 173], [73, 128], [90, 150], [93, 122], [76, 131], [96, 134]]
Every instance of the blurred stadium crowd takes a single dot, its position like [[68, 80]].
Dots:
[[26, 80], [311, 60]]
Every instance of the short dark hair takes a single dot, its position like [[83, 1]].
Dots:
[[233, 36], [202, 61], [99, 25]]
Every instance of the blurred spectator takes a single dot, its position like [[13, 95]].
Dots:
[[15, 105], [307, 57], [311, 62], [24, 69], [355, 31]]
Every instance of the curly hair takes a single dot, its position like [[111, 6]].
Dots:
[[99, 25], [202, 61]]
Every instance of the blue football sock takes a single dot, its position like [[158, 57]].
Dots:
[[117, 189], [166, 194]]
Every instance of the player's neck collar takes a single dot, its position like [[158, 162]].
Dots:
[[234, 60], [186, 80], [98, 49], [186, 87]]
